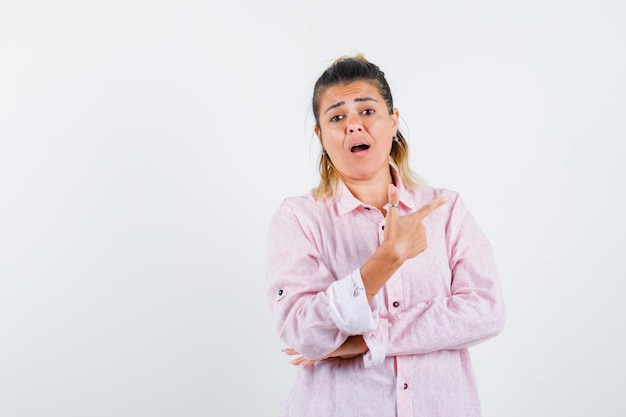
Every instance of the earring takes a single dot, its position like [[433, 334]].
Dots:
[[395, 139]]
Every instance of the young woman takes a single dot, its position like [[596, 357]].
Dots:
[[378, 284]]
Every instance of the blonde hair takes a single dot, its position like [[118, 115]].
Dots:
[[345, 70]]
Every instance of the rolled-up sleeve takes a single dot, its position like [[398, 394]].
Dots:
[[349, 308]]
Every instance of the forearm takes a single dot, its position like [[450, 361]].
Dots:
[[317, 324], [346, 312], [312, 338], [353, 346], [444, 323], [379, 268]]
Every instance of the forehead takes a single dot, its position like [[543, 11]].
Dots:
[[347, 92]]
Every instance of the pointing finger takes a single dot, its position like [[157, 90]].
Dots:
[[432, 206]]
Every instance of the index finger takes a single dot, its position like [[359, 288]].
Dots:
[[432, 206]]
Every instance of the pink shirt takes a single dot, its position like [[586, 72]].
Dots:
[[417, 328]]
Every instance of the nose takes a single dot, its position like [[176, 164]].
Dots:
[[354, 124]]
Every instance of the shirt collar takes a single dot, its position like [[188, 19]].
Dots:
[[346, 201]]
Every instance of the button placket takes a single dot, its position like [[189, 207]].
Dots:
[[394, 284], [395, 293]]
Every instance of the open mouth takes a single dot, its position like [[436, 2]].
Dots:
[[360, 147]]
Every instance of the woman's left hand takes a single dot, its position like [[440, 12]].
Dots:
[[353, 346]]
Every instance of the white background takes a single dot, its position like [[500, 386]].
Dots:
[[145, 144]]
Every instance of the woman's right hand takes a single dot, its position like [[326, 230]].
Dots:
[[405, 238]]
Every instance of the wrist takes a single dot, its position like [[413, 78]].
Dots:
[[389, 252], [379, 268]]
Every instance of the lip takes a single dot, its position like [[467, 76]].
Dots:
[[357, 142]]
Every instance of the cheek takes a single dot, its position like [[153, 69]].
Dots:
[[330, 137]]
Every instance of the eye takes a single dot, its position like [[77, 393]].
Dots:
[[337, 118], [368, 112]]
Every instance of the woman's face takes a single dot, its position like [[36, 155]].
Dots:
[[356, 130]]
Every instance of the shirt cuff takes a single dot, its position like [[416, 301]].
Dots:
[[376, 347], [349, 308]]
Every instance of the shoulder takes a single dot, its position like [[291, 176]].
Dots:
[[300, 216], [425, 194], [451, 213], [299, 208], [433, 192], [304, 203]]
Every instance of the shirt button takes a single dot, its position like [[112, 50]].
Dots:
[[406, 385], [280, 292], [383, 227], [367, 208], [396, 304]]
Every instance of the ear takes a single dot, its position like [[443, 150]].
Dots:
[[318, 133], [395, 117]]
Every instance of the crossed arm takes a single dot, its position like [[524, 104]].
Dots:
[[469, 315]]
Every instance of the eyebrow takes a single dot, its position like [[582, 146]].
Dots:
[[356, 100]]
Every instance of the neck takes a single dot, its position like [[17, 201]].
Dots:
[[373, 192]]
